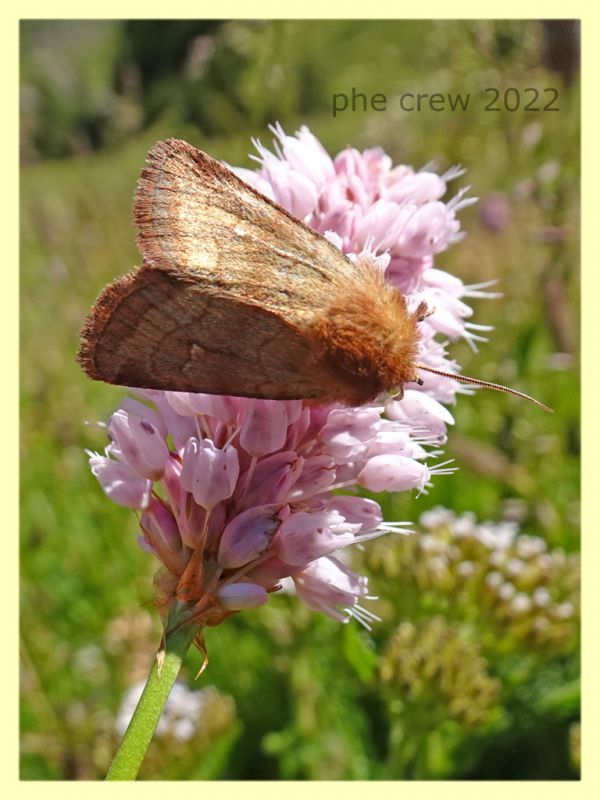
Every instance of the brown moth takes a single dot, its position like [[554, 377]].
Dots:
[[236, 296]]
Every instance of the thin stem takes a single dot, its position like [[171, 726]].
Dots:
[[178, 638]]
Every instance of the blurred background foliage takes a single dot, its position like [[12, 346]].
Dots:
[[473, 671]]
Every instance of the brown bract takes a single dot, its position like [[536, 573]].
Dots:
[[238, 297]]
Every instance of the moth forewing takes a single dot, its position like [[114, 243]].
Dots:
[[158, 329], [197, 216]]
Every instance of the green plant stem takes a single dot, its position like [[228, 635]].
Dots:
[[128, 758]]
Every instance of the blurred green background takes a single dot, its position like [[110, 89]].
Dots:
[[459, 680]]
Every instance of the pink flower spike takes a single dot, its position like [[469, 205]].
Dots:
[[139, 444], [265, 427], [248, 535], [209, 473], [120, 483], [237, 596]]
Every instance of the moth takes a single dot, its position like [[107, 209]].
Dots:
[[236, 296]]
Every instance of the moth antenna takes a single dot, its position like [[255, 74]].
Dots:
[[486, 384]]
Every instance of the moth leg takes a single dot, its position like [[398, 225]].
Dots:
[[423, 311]]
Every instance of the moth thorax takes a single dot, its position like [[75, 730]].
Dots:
[[368, 343]]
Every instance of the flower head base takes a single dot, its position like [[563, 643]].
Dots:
[[237, 494]]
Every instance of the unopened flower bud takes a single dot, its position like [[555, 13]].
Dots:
[[265, 427], [209, 473], [161, 533], [139, 444], [248, 535], [120, 483], [392, 473]]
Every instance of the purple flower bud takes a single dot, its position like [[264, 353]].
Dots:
[[349, 161], [297, 430], [389, 441], [192, 519], [327, 583], [139, 444], [273, 479], [358, 510], [420, 187], [228, 410], [391, 473], [420, 409], [429, 229], [407, 274], [119, 482], [318, 473], [172, 483], [305, 153], [306, 536], [347, 430], [180, 426], [180, 403], [248, 535], [269, 572], [142, 411], [209, 473], [265, 427], [444, 281], [293, 409], [255, 180], [161, 533], [237, 596], [292, 189], [382, 224]]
